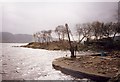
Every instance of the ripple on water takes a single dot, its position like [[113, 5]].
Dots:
[[31, 64]]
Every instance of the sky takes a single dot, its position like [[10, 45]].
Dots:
[[28, 17]]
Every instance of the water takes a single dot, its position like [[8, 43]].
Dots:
[[20, 63]]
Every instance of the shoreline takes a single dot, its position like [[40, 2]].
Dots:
[[92, 66], [66, 66]]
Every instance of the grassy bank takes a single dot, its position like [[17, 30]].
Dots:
[[55, 45]]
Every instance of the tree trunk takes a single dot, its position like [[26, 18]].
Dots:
[[81, 39], [71, 47], [59, 36], [114, 36]]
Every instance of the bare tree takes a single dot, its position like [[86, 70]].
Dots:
[[71, 46], [61, 32], [38, 35], [116, 29], [49, 36], [78, 31], [43, 36], [83, 30], [34, 37], [107, 29], [96, 29], [57, 31]]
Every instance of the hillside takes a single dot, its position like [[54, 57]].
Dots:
[[6, 37]]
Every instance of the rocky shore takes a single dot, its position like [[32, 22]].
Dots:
[[96, 68]]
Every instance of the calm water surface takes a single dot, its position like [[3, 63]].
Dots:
[[20, 63]]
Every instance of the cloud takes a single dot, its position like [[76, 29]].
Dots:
[[29, 17]]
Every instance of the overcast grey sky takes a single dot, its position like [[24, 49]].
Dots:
[[30, 17]]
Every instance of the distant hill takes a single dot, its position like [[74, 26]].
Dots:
[[6, 37]]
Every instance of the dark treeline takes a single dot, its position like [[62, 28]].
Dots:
[[97, 36], [95, 30], [46, 35], [98, 30]]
